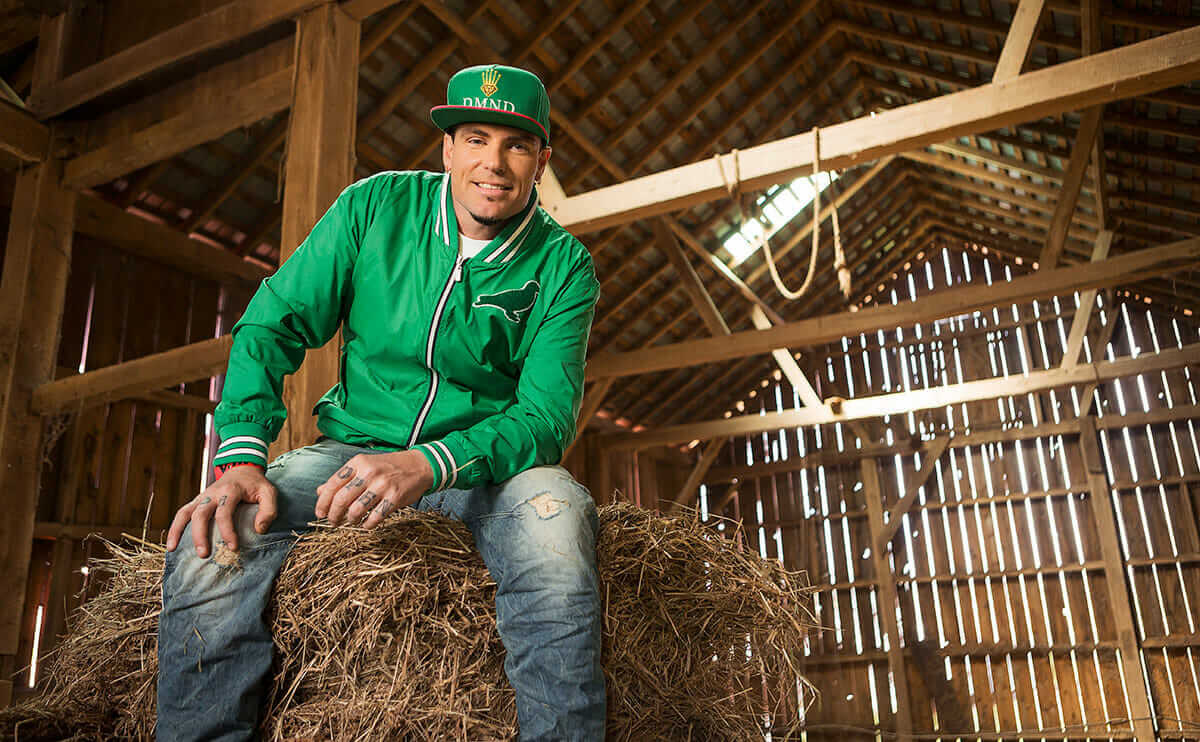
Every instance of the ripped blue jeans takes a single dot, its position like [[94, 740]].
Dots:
[[536, 533]]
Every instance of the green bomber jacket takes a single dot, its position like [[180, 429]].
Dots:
[[477, 362]]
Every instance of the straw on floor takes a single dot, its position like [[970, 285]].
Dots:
[[391, 634]]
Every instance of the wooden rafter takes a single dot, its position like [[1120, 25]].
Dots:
[[1064, 208], [902, 402], [690, 491], [929, 458], [218, 27], [1131, 70], [701, 301], [1018, 43], [682, 380], [225, 98], [804, 333], [21, 135]]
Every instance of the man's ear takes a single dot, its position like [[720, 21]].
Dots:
[[543, 160], [447, 150]]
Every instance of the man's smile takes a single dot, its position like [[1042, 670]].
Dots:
[[493, 187]]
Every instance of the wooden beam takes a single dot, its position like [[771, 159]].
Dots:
[[273, 140], [146, 374], [1019, 41], [720, 505], [216, 28], [231, 96], [701, 300], [1088, 395], [804, 233], [1092, 39], [903, 402], [1135, 69], [361, 9], [430, 61], [888, 600], [162, 244], [270, 142], [1140, 710], [550, 190], [929, 458], [21, 135], [689, 492], [958, 439], [33, 288], [478, 49], [787, 364], [1087, 301], [721, 269], [1123, 269], [320, 164], [1064, 208]]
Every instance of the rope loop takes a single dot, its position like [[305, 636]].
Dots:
[[734, 188]]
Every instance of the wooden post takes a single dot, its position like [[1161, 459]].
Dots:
[[1114, 577], [320, 163], [887, 597], [32, 292], [36, 265]]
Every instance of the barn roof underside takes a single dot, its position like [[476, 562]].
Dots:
[[656, 84]]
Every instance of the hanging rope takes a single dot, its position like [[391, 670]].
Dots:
[[734, 187]]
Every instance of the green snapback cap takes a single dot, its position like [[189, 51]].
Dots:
[[496, 94]]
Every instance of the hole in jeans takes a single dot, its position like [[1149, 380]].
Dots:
[[546, 506], [227, 557]]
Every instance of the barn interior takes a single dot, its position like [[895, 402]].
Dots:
[[965, 403]]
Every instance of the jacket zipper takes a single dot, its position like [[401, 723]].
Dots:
[[455, 277]]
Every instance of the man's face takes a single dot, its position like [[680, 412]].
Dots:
[[492, 171]]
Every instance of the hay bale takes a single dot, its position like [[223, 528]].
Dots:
[[391, 634]]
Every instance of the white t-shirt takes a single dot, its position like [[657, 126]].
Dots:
[[471, 247]]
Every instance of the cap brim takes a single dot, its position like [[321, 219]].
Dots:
[[445, 117]]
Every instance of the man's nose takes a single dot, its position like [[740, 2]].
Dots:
[[493, 158]]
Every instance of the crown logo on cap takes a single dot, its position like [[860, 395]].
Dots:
[[491, 76]]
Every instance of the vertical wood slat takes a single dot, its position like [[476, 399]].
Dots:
[[1114, 575], [320, 163]]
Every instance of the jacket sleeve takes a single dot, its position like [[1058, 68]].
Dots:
[[538, 426], [299, 307]]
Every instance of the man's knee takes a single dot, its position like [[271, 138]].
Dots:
[[549, 536], [188, 568], [549, 492]]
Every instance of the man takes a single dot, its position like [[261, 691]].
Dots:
[[465, 312]]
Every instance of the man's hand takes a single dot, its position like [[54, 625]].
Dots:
[[239, 484], [372, 486]]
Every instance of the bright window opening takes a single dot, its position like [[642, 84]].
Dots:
[[779, 206]]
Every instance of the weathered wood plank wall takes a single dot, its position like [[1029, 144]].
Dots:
[[129, 464], [1007, 620]]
